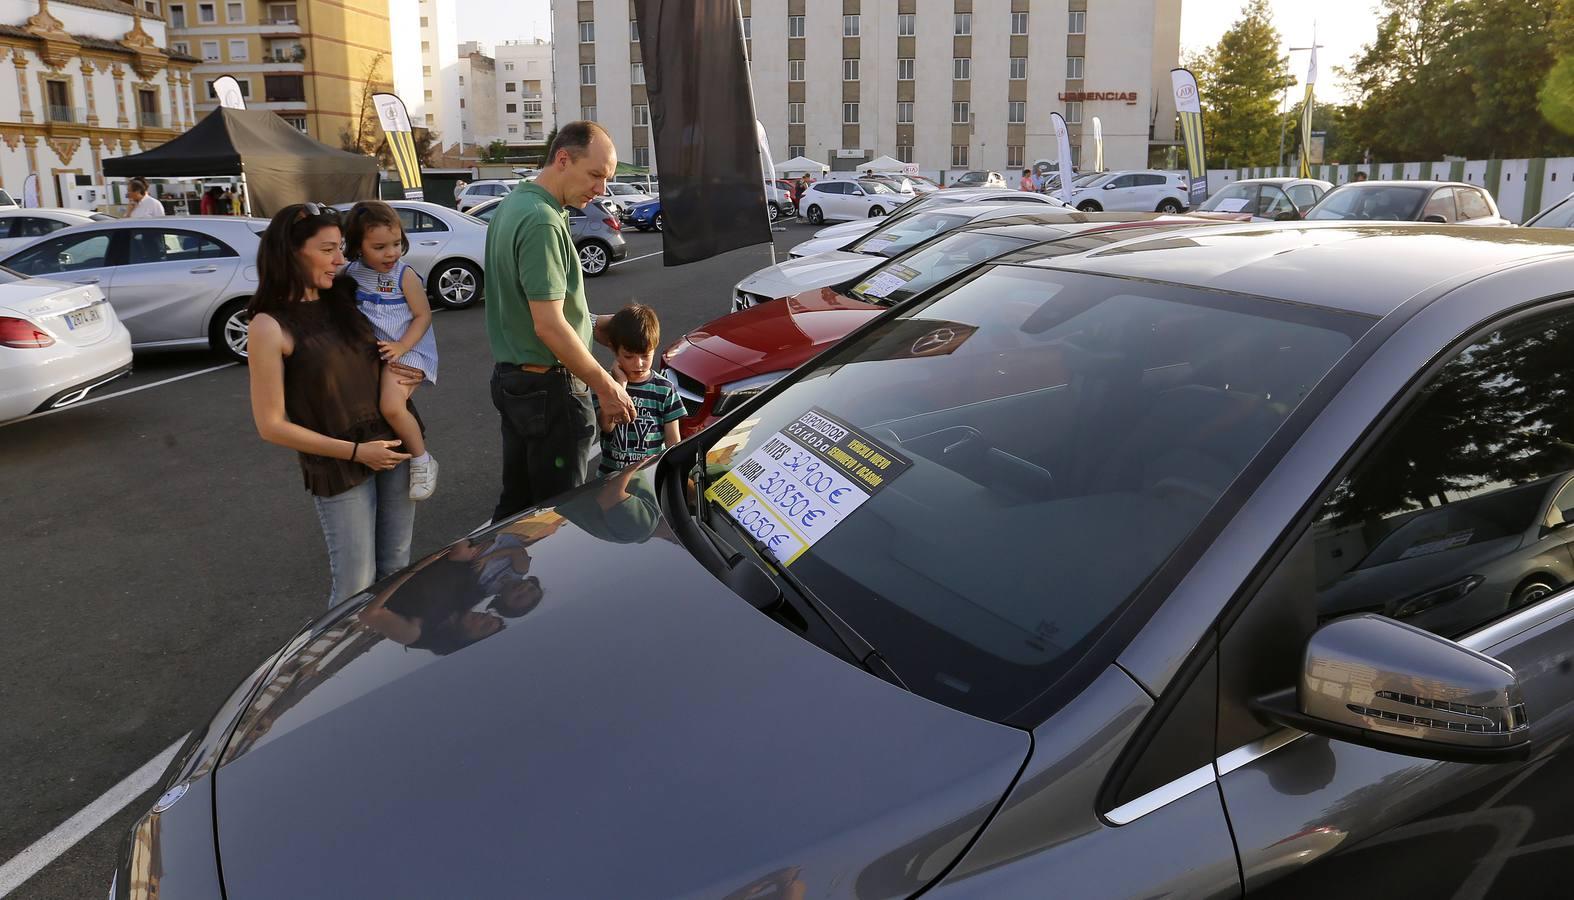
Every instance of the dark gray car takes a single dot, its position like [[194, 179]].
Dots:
[[597, 234], [1015, 592]]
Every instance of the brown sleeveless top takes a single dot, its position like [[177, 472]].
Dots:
[[331, 386]]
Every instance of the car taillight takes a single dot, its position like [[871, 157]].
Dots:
[[22, 334], [612, 224]]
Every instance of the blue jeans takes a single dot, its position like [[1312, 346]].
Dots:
[[368, 530]]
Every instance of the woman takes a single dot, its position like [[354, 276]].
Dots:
[[314, 389]]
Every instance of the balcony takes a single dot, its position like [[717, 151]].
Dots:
[[295, 54], [279, 26], [65, 115], [150, 119]]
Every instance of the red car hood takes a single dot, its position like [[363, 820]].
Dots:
[[770, 337]]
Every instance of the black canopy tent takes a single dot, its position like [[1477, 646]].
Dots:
[[277, 164]]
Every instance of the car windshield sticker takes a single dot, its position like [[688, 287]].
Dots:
[[877, 243], [1231, 205], [805, 480], [883, 283], [1439, 544]]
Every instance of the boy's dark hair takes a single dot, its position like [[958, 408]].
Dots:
[[634, 328], [365, 216]]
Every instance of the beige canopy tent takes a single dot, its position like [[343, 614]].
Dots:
[[801, 165]]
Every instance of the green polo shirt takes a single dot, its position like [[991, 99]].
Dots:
[[530, 255]]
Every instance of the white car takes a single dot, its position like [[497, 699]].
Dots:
[[835, 237], [620, 198], [20, 226], [1263, 199], [447, 249], [6, 202], [840, 201], [58, 341], [979, 179], [478, 192], [1146, 190]]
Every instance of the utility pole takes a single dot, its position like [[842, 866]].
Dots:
[[1282, 106]]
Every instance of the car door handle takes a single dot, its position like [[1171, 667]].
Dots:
[[91, 279], [203, 270], [430, 243]]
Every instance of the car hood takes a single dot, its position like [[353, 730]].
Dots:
[[769, 337], [817, 271], [640, 731]]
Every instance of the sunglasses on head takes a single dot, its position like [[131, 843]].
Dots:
[[315, 210]]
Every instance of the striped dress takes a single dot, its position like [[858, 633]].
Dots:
[[381, 300]]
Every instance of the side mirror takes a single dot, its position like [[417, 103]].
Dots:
[[1110, 186], [857, 192], [1379, 683], [1435, 218]]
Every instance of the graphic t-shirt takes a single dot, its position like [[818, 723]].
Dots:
[[656, 403]]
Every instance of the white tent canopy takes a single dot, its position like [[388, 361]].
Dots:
[[799, 165], [888, 164]]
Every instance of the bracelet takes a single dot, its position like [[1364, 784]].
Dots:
[[353, 448]]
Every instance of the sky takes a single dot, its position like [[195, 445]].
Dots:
[[1342, 27]]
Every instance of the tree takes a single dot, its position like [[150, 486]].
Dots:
[[1242, 78], [496, 152], [364, 134]]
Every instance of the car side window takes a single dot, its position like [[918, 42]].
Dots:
[[155, 245], [1472, 204], [64, 254], [33, 226], [1271, 202], [1303, 196], [1441, 204], [1149, 180], [1123, 181], [1562, 511]]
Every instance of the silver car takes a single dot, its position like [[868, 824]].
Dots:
[[478, 192], [447, 249], [175, 282], [597, 235], [19, 226]]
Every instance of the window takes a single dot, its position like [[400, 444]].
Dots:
[[1016, 112], [1073, 112], [158, 245], [637, 74], [642, 157], [849, 26], [906, 25], [959, 156], [177, 15], [795, 26], [207, 13], [904, 152], [904, 70], [508, 67], [641, 114], [849, 114], [239, 51], [147, 109], [1441, 204], [430, 120], [587, 32], [461, 103], [795, 114], [1018, 68], [281, 13], [1073, 67], [210, 51], [904, 113], [245, 88], [633, 31], [587, 74], [960, 112], [1304, 195], [181, 47], [964, 24], [150, 7], [296, 122], [425, 22], [795, 149], [849, 70], [1078, 23], [1472, 204], [588, 113], [961, 68], [426, 71], [1014, 156], [235, 12], [426, 46], [513, 129], [284, 88], [748, 27], [512, 87], [58, 95], [69, 253], [427, 95], [1019, 23], [794, 70], [511, 108], [417, 222]]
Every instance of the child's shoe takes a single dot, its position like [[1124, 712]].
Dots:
[[423, 478]]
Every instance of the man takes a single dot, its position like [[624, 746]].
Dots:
[[540, 327], [142, 205]]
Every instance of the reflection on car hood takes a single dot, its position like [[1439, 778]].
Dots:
[[633, 730], [770, 337], [820, 270]]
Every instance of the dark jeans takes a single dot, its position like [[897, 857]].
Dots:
[[548, 427]]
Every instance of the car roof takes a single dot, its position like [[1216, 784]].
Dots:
[[1279, 179], [1400, 182], [31, 210], [1367, 267], [179, 222]]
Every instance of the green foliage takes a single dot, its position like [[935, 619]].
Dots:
[[1242, 79]]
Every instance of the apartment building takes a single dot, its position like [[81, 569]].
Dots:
[[524, 91], [477, 96], [949, 85]]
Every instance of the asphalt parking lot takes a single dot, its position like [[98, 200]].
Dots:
[[157, 549]]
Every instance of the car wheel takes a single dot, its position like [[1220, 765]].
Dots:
[[776, 212], [815, 216], [1090, 206], [659, 222], [876, 212], [227, 333], [1169, 205], [1532, 591], [458, 284], [593, 258]]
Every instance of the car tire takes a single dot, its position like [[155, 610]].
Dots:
[[1090, 206], [816, 217], [1532, 591], [227, 331], [659, 222], [776, 212], [1170, 205], [455, 284], [876, 212], [595, 258]]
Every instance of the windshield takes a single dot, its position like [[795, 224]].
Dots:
[[1085, 180], [1233, 198], [875, 187], [927, 266], [899, 237], [972, 178], [979, 485], [1559, 216], [621, 189], [1383, 203]]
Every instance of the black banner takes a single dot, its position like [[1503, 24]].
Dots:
[[702, 122]]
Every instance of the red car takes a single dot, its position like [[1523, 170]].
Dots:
[[727, 361]]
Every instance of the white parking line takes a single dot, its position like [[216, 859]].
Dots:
[[143, 387], [48, 848], [635, 258]]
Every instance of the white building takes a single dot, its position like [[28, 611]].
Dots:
[[425, 39], [525, 91], [477, 95], [950, 85], [92, 80]]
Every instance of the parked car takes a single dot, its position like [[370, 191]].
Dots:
[[923, 185], [1056, 621], [478, 192], [979, 179], [58, 342], [1141, 191], [620, 197], [447, 249], [893, 180], [791, 186], [1558, 215], [597, 235], [1263, 200], [779, 202], [835, 237], [1449, 202], [646, 216], [6, 200], [20, 226], [176, 282], [839, 200]]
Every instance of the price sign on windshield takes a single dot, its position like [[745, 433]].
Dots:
[[803, 481]]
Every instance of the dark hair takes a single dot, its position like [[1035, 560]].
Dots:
[[634, 328], [280, 284], [575, 138], [138, 185], [365, 216]]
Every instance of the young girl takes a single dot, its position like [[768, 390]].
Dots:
[[390, 295]]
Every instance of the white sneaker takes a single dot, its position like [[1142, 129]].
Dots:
[[423, 478]]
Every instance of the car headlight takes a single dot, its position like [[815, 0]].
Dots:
[[733, 395], [1446, 594]]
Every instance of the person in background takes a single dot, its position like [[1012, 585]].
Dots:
[[1359, 176], [1026, 181], [143, 205]]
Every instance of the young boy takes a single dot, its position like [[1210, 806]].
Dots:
[[634, 334]]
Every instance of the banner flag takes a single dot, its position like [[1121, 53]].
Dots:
[[395, 120], [1098, 145], [30, 197], [1063, 138], [227, 89], [1306, 114], [1188, 106]]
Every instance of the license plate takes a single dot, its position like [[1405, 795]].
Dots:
[[83, 317]]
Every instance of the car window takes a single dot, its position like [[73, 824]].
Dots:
[[1022, 453], [1386, 203], [1122, 181], [417, 222], [923, 268], [1303, 195], [5, 199], [1563, 504], [485, 213], [155, 245], [1441, 203], [1472, 204], [67, 253], [1441, 525], [1232, 198], [1146, 180], [33, 226], [1559, 216], [1271, 202], [897, 238]]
